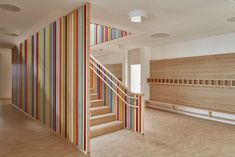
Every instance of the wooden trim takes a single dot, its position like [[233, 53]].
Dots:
[[226, 83], [172, 108], [169, 105], [5, 98]]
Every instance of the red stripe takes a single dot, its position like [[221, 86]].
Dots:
[[118, 102], [140, 110], [85, 66], [137, 110], [125, 112], [26, 76], [96, 37], [60, 82]]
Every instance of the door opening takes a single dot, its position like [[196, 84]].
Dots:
[[136, 78]]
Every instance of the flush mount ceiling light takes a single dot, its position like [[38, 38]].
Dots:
[[231, 19], [160, 35], [138, 15], [9, 7]]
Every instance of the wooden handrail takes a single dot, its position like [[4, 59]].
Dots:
[[136, 107], [112, 81], [140, 94]]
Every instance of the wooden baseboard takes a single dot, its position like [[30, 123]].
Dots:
[[173, 108], [5, 98]]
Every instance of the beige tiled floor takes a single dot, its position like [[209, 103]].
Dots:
[[20, 136], [166, 135], [169, 135]]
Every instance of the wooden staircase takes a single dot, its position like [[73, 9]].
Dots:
[[102, 121]]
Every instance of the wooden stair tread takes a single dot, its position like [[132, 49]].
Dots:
[[92, 90], [93, 96], [105, 128], [102, 119], [99, 110], [102, 116], [105, 125], [96, 100], [96, 103], [100, 107]]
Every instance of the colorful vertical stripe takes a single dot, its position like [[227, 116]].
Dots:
[[51, 76], [100, 33]]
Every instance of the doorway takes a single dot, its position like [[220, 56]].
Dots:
[[135, 81]]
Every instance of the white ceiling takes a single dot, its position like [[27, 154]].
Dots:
[[35, 15], [183, 19]]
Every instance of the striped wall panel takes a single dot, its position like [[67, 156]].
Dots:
[[51, 71], [100, 33]]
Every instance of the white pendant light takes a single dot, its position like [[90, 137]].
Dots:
[[138, 15]]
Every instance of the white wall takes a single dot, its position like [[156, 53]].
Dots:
[[112, 58], [5, 73], [134, 56], [204, 46]]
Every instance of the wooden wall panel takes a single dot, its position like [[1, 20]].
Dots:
[[212, 97], [115, 69], [205, 67]]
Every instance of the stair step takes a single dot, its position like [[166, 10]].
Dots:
[[104, 118], [105, 128], [92, 90], [96, 103], [93, 96], [99, 110]]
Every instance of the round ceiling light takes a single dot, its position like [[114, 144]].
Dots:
[[138, 15], [231, 19], [9, 7], [160, 35]]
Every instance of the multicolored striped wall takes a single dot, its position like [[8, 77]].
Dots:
[[108, 87], [50, 76], [101, 33]]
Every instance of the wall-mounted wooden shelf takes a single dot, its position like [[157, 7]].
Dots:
[[193, 82]]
